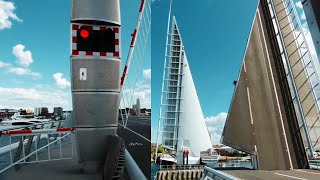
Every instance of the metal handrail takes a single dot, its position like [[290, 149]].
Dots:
[[212, 173], [291, 76], [35, 153], [13, 146], [316, 162], [132, 168], [29, 126]]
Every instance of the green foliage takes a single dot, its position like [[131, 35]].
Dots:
[[235, 151], [161, 149]]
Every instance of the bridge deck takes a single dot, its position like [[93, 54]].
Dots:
[[50, 170], [302, 174], [138, 147]]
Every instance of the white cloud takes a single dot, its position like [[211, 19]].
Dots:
[[147, 74], [215, 126], [299, 5], [23, 71], [303, 16], [3, 64], [142, 91], [7, 14], [24, 57], [24, 60], [301, 11], [17, 98], [60, 81]]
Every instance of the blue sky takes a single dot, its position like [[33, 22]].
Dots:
[[215, 35], [35, 50], [35, 46]]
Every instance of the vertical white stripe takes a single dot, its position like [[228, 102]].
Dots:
[[249, 101], [82, 53], [274, 88], [74, 33], [96, 27], [74, 46], [117, 48]]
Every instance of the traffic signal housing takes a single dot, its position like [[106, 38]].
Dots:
[[95, 40]]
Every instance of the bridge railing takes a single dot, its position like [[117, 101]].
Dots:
[[314, 164], [300, 68], [210, 173], [4, 139], [39, 125], [39, 145]]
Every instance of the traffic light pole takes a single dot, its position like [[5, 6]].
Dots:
[[95, 78]]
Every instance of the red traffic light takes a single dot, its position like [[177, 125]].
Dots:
[[84, 33]]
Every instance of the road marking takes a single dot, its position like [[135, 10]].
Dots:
[[289, 176], [250, 111], [247, 46], [306, 171], [274, 88]]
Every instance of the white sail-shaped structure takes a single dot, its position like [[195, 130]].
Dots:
[[184, 126]]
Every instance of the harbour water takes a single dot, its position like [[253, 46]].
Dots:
[[154, 169], [5, 158]]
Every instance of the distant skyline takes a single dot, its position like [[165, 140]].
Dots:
[[35, 54], [214, 37]]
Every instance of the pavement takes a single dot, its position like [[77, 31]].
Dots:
[[138, 147], [302, 174]]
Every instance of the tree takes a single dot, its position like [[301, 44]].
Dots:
[[160, 149], [235, 152]]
